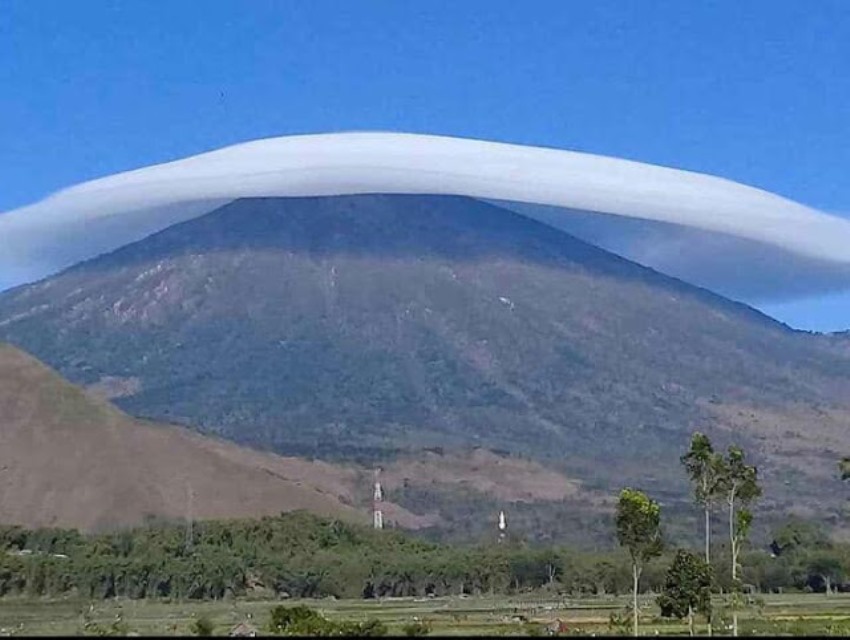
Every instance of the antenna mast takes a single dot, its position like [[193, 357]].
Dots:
[[377, 499], [189, 516]]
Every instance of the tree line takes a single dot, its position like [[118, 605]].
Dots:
[[300, 555]]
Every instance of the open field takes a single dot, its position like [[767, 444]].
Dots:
[[793, 614]]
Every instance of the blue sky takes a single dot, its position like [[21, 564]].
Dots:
[[755, 91]]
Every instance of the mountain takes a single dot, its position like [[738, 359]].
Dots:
[[369, 327]]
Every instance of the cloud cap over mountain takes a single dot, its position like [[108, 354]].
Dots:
[[758, 232]]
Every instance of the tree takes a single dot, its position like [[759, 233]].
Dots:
[[825, 567], [798, 536], [687, 588], [639, 531], [738, 482], [703, 466]]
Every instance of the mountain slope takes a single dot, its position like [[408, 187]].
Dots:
[[368, 326], [67, 459], [70, 459]]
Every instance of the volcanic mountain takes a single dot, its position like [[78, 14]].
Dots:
[[365, 327]]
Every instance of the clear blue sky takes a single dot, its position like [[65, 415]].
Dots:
[[757, 90]]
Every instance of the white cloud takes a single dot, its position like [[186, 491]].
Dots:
[[101, 215]]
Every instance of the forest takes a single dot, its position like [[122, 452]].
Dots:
[[300, 555]]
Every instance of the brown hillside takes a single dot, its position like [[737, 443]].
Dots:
[[67, 459]]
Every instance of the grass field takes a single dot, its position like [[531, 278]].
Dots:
[[793, 614]]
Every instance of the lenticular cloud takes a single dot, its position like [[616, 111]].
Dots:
[[734, 238]]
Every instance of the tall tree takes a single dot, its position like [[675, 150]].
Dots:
[[639, 531], [738, 482], [703, 466], [687, 588]]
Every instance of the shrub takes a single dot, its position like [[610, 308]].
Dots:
[[203, 626], [299, 620], [417, 628]]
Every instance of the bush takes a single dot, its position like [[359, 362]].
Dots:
[[298, 621], [203, 626], [371, 628], [304, 621], [416, 628]]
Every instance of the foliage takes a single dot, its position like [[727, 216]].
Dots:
[[798, 535], [738, 482], [304, 621], [639, 525], [298, 621], [639, 531], [704, 470], [304, 556], [202, 626], [416, 628], [620, 622], [687, 587], [824, 568]]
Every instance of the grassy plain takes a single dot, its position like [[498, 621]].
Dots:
[[791, 614]]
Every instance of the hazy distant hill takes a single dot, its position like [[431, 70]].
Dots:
[[360, 327]]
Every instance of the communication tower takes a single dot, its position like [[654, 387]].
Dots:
[[190, 535], [377, 499]]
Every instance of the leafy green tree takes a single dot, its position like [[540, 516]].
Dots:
[[704, 469], [826, 567], [797, 536], [639, 531], [738, 483], [298, 621], [687, 588]]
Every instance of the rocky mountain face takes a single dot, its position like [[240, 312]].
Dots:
[[367, 327]]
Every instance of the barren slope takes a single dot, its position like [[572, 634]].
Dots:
[[69, 460]]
